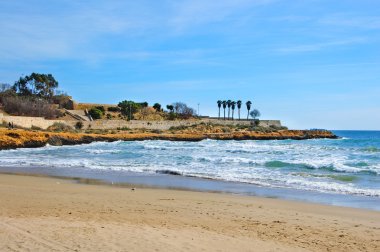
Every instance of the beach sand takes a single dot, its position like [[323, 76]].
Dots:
[[50, 214]]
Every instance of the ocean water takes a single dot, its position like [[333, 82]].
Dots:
[[346, 166]]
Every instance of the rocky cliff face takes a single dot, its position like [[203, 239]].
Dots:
[[10, 139]]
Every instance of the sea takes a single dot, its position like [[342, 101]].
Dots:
[[343, 172]]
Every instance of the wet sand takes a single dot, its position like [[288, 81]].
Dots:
[[50, 214]]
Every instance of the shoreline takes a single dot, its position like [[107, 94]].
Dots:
[[42, 213], [197, 184], [18, 138]]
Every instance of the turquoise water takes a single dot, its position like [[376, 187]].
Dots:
[[346, 166]]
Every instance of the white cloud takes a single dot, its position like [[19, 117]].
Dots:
[[352, 21], [319, 46], [190, 13]]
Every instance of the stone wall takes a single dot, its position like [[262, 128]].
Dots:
[[28, 122], [165, 125]]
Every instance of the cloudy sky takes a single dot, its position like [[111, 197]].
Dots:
[[310, 63]]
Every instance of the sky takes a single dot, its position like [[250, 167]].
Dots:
[[308, 63]]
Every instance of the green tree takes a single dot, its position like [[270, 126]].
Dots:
[[233, 104], [157, 107], [41, 85], [183, 111], [239, 107], [170, 108], [255, 113], [95, 113], [248, 104], [128, 108], [219, 102]]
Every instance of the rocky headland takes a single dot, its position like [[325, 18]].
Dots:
[[20, 138]]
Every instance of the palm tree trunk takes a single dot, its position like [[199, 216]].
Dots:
[[224, 114], [248, 115], [233, 114], [239, 114], [219, 114]]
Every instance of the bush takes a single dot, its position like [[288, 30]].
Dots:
[[95, 113], [123, 128], [79, 125], [109, 116], [114, 109], [35, 128], [101, 108], [28, 106], [58, 127], [172, 116], [180, 127], [64, 101]]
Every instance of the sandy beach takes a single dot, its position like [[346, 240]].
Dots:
[[50, 214]]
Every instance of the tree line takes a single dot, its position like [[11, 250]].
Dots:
[[31, 95], [176, 110], [232, 105]]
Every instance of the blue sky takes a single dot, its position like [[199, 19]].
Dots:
[[310, 63]]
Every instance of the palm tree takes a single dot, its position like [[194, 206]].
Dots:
[[248, 103], [239, 107], [233, 109], [219, 105], [229, 106], [224, 103]]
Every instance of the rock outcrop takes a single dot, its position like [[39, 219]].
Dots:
[[17, 138]]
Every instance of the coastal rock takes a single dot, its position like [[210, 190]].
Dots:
[[55, 141], [31, 139]]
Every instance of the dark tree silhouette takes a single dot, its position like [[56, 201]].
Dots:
[[224, 103], [255, 113], [233, 104], [170, 108], [248, 104], [239, 107], [229, 107], [41, 85], [219, 105], [157, 107]]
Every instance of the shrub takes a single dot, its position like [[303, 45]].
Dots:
[[101, 108], [180, 127], [172, 116], [113, 109], [35, 128], [109, 116], [28, 106], [64, 101], [123, 128], [58, 127], [79, 125], [95, 113]]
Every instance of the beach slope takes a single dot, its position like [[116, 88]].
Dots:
[[50, 214]]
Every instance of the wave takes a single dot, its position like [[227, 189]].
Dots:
[[321, 165], [371, 149]]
